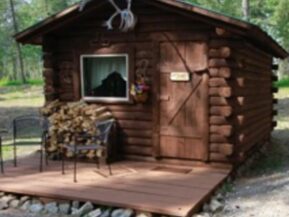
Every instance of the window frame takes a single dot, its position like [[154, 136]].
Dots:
[[127, 99]]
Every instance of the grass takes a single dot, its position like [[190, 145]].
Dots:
[[282, 83], [8, 83], [17, 100]]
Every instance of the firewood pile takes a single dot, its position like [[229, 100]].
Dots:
[[68, 120]]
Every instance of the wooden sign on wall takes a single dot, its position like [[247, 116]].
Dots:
[[180, 76]]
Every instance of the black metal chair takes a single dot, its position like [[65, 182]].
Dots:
[[100, 143], [2, 131], [31, 127]]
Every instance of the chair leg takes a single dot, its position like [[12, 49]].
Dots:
[[75, 166], [109, 168], [62, 161], [97, 162], [41, 158], [15, 153], [1, 157], [45, 151]]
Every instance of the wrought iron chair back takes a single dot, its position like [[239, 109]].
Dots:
[[30, 127], [104, 128], [102, 137]]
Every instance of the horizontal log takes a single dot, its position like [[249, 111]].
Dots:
[[275, 89], [132, 115], [145, 151], [275, 67], [251, 130], [250, 75], [225, 130], [219, 62], [274, 124], [225, 111], [221, 91], [223, 148], [251, 62], [131, 108], [251, 50], [244, 121], [254, 106], [222, 32], [223, 52], [219, 120], [244, 117], [274, 78], [216, 138], [135, 124], [254, 138], [215, 157], [222, 72], [233, 43], [219, 101], [137, 141], [218, 82], [140, 133], [250, 91]]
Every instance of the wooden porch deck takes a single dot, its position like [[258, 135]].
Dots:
[[179, 191]]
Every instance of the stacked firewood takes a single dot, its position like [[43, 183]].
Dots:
[[69, 120]]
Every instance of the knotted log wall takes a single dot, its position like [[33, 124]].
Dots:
[[240, 93], [241, 97]]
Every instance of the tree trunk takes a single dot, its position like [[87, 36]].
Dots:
[[46, 6], [18, 47], [246, 9]]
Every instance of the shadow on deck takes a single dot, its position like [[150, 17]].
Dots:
[[151, 187]]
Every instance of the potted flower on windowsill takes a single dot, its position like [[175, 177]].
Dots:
[[140, 91]]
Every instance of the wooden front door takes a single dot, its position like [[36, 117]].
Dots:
[[183, 103]]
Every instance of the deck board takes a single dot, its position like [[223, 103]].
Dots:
[[133, 185]]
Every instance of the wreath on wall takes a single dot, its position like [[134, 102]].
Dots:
[[140, 88], [140, 91]]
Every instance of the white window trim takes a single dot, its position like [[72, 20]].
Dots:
[[105, 99]]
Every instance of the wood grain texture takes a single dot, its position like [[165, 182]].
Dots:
[[135, 185]]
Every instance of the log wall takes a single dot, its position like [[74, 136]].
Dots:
[[220, 99], [253, 93], [138, 124], [241, 97], [240, 83]]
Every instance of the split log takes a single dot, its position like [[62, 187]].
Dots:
[[223, 52], [222, 72], [221, 91], [223, 148], [225, 130], [218, 120], [67, 120], [222, 32], [225, 111]]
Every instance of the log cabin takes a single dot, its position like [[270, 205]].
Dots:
[[210, 98]]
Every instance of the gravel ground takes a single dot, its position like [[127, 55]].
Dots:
[[263, 190]]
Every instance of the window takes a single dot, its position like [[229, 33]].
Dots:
[[105, 77]]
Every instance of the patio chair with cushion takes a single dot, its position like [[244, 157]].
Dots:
[[100, 144], [30, 130]]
